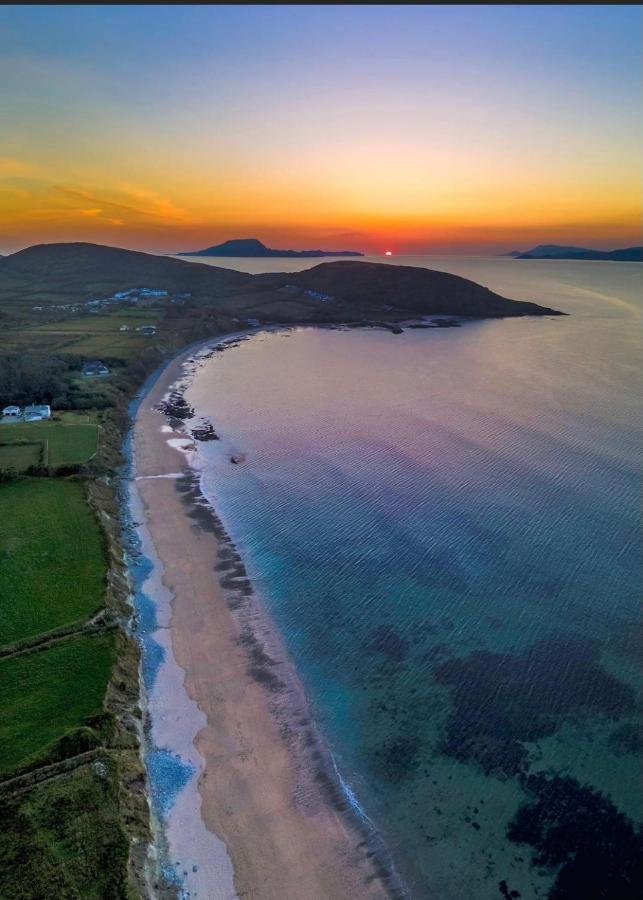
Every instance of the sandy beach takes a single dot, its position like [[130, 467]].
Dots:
[[264, 785]]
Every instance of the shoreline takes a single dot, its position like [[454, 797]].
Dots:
[[261, 793]]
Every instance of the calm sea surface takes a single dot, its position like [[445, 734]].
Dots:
[[443, 525]]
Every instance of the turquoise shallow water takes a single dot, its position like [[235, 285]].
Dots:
[[443, 525]]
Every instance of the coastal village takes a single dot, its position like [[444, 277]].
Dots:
[[138, 296]]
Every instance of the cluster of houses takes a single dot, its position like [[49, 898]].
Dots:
[[316, 295], [143, 329], [132, 295], [35, 413]]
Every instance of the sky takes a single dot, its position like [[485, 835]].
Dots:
[[416, 129]]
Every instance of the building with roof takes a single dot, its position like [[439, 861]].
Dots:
[[95, 369], [37, 412]]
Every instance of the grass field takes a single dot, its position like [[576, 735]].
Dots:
[[101, 323], [96, 335], [71, 441], [41, 700], [19, 456], [100, 335], [64, 839], [111, 345], [52, 564]]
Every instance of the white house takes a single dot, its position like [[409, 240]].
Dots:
[[37, 413], [11, 412], [152, 292]]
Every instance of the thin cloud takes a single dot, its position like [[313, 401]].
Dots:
[[10, 168], [154, 207]]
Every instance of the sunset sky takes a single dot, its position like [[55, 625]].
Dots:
[[417, 129]]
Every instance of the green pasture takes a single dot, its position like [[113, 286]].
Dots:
[[111, 345], [48, 694], [19, 455], [64, 839], [71, 441], [101, 322], [86, 335], [52, 562]]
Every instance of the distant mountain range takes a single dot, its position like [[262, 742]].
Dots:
[[556, 251], [253, 247]]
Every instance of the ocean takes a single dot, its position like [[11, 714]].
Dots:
[[443, 525]]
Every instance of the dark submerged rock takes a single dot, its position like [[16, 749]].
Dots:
[[573, 826], [385, 639], [501, 701], [627, 738]]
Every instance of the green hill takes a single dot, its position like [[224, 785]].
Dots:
[[67, 273], [50, 274], [409, 290]]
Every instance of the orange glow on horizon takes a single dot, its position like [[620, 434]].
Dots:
[[163, 211], [425, 133]]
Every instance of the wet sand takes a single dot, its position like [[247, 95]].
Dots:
[[266, 784]]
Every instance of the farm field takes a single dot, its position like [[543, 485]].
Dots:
[[97, 322], [19, 455], [64, 838], [111, 345], [41, 700], [52, 561], [71, 441], [95, 335]]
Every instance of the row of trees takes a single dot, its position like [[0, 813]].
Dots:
[[32, 378], [46, 378]]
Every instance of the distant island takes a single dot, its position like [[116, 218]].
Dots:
[[556, 251], [253, 247]]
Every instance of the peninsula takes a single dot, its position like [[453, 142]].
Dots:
[[82, 277], [251, 247], [555, 251]]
